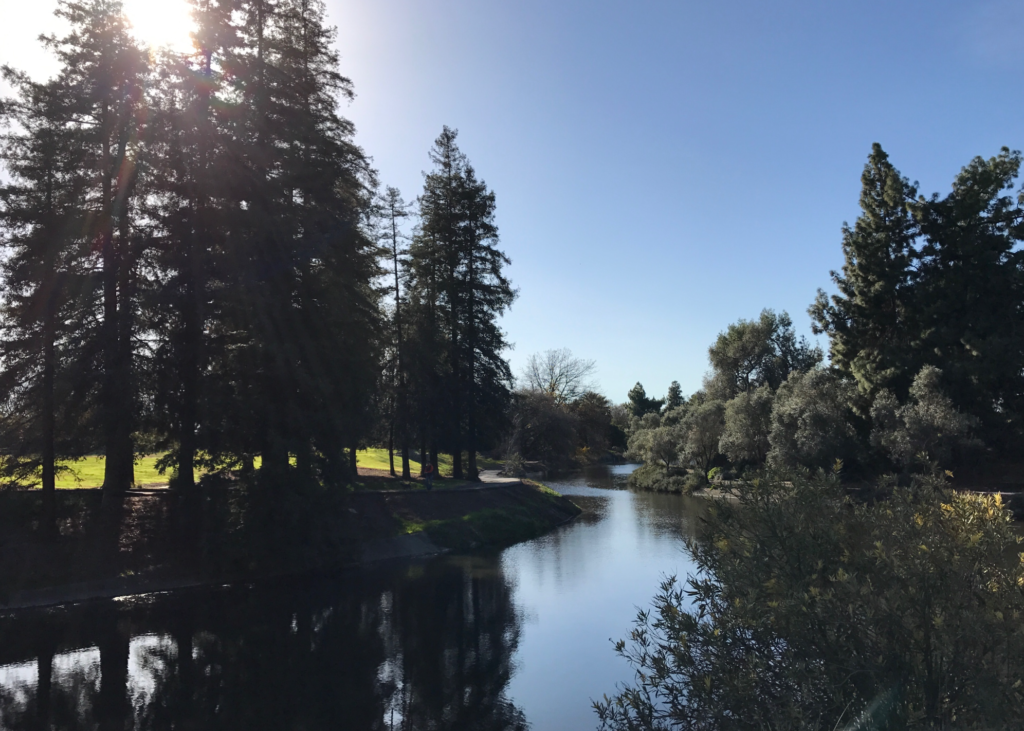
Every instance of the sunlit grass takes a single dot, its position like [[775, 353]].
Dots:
[[377, 459], [88, 472]]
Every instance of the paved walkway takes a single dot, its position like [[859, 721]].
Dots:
[[491, 477]]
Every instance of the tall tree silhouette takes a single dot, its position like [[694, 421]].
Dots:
[[45, 282]]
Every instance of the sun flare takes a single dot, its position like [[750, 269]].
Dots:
[[159, 23]]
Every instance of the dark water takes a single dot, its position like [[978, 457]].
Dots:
[[508, 641]]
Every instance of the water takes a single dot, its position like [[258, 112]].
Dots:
[[520, 639]]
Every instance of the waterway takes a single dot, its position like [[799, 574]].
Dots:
[[514, 640]]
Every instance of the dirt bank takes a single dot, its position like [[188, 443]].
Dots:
[[159, 545]]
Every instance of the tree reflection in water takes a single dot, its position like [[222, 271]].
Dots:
[[427, 646]]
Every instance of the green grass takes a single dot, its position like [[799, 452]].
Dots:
[[376, 458], [88, 472], [490, 527]]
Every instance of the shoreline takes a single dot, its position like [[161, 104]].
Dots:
[[481, 517]]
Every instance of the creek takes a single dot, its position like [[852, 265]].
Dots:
[[509, 640]]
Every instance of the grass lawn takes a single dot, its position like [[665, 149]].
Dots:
[[88, 472], [377, 459]]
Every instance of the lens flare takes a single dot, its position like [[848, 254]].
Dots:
[[161, 23]]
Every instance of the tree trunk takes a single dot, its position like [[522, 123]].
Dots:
[[49, 518], [391, 447], [424, 457], [125, 325], [111, 469], [186, 479]]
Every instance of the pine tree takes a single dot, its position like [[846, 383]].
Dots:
[[101, 81], [870, 322], [438, 259], [189, 168], [639, 404], [458, 274], [301, 259], [675, 396], [45, 278], [971, 289], [488, 294], [392, 209]]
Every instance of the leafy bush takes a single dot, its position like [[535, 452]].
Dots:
[[808, 611], [694, 481], [813, 422], [656, 478], [928, 429], [514, 466]]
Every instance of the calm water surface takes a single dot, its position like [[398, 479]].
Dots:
[[515, 640]]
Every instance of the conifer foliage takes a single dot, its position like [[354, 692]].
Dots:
[[194, 250], [459, 290]]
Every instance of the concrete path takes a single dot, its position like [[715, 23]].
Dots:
[[491, 477]]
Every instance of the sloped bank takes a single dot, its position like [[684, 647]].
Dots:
[[345, 531], [410, 524]]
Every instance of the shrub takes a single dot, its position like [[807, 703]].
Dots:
[[807, 611], [656, 478], [514, 466]]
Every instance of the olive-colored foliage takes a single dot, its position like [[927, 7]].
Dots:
[[748, 424], [813, 422], [654, 477], [761, 352], [928, 428], [658, 446], [808, 611], [701, 430]]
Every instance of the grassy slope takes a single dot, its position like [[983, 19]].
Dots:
[[88, 472], [534, 510]]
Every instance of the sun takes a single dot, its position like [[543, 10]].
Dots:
[[161, 23]]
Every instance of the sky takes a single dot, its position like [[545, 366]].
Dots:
[[662, 169]]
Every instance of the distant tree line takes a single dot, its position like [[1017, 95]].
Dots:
[[198, 261], [558, 418], [926, 346]]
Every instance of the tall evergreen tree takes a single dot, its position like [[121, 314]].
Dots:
[[457, 269], [189, 197], [675, 396], [45, 283], [488, 294], [869, 322], [301, 259], [971, 289], [102, 78], [392, 209]]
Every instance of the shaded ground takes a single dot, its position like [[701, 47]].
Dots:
[[153, 541]]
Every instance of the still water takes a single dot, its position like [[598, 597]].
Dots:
[[516, 640]]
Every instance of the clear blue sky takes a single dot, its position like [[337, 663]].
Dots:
[[665, 168]]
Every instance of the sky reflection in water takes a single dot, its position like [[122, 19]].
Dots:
[[515, 640]]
